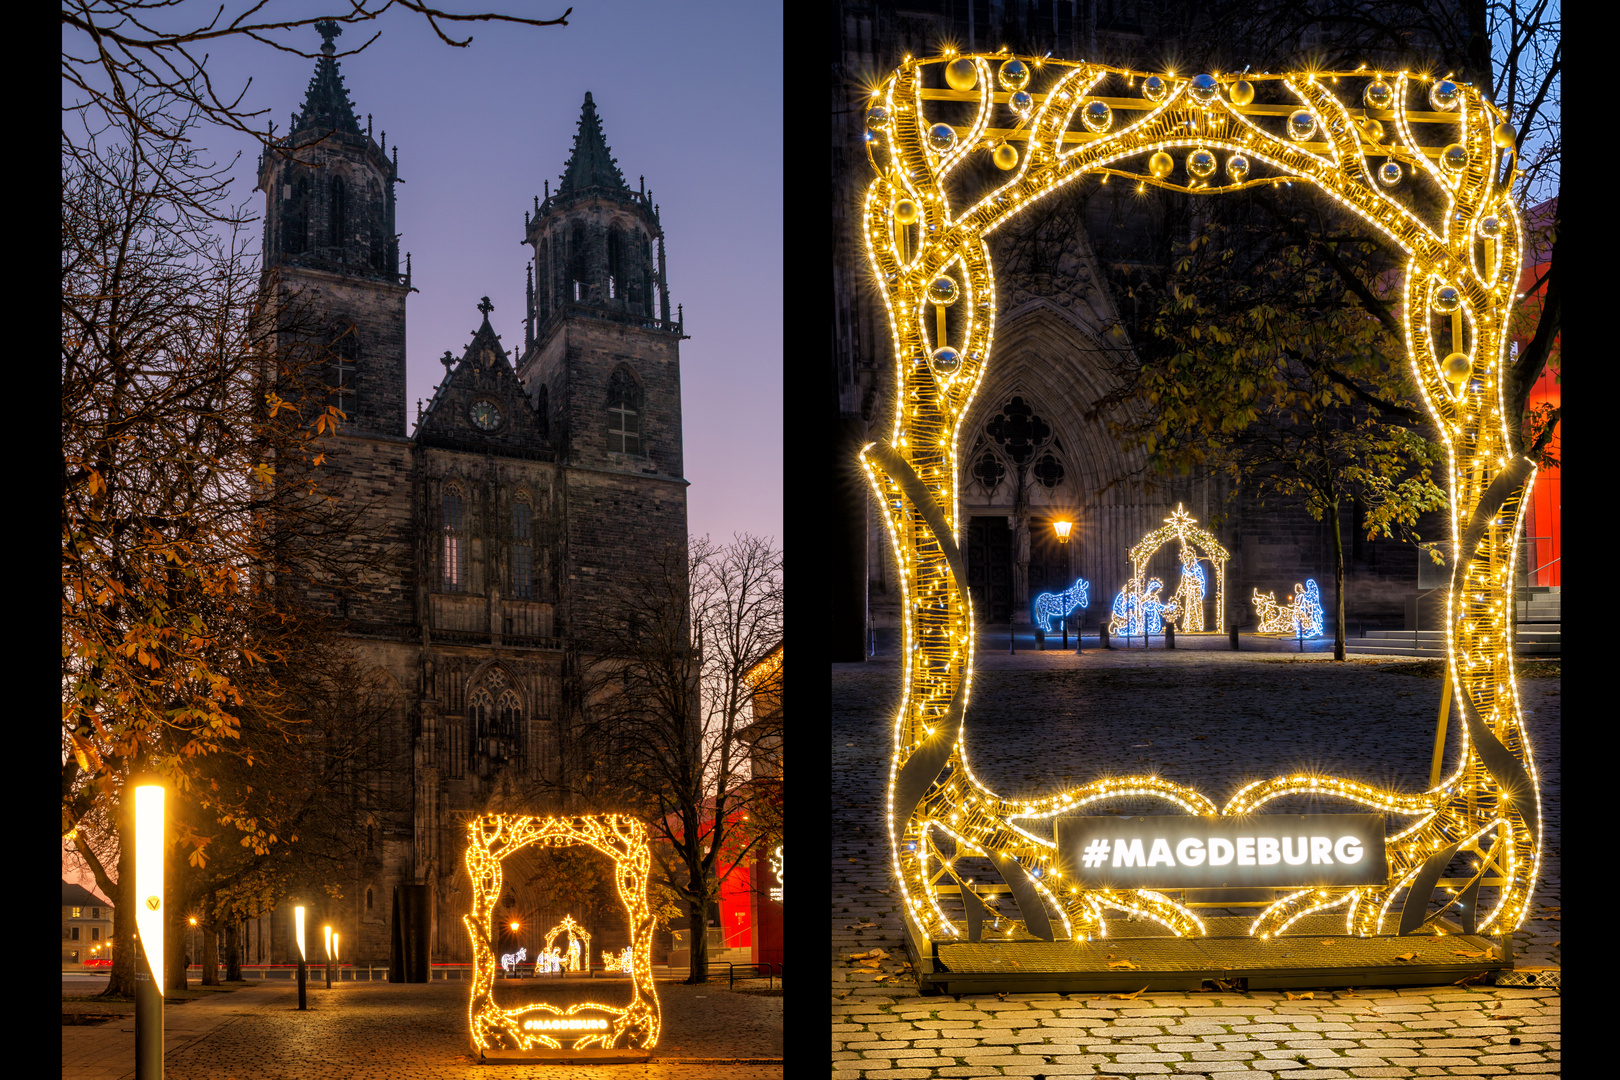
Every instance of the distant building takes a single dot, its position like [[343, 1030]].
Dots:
[[87, 925]]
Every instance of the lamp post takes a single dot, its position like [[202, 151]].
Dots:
[[335, 959], [326, 932], [1062, 529], [303, 974], [513, 926], [191, 953], [149, 931]]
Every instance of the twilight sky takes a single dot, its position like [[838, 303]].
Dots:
[[690, 96]]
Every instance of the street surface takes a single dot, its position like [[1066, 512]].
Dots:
[[385, 1031], [1212, 719]]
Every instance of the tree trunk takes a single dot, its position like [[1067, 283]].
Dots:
[[233, 951], [697, 924], [176, 935], [210, 949], [1338, 583], [122, 982]]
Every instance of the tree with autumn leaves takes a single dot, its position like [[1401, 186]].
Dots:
[[1268, 349]]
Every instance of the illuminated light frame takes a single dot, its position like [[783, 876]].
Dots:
[[776, 868], [1285, 619], [500, 1033], [933, 795], [1183, 528]]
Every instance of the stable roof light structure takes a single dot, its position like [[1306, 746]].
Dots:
[[926, 218]]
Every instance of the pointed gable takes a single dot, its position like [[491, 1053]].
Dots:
[[590, 164], [326, 102], [481, 405]]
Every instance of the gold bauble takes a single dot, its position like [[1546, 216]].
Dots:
[[1160, 164], [961, 74], [1242, 92], [906, 212], [1457, 367], [1504, 136], [1005, 157]]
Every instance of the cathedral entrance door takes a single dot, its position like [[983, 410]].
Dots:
[[989, 567]]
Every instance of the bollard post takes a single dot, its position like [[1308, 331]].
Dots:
[[1102, 635], [1040, 639], [1079, 632], [1234, 633], [1064, 623], [1010, 649], [1169, 635]]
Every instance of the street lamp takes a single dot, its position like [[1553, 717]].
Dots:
[[298, 930], [326, 932], [1062, 528], [149, 931]]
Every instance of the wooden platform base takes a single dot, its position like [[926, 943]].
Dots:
[[544, 1055], [1314, 953]]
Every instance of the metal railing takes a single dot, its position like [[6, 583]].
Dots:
[[769, 972]]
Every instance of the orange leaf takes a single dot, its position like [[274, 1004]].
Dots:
[[1406, 956], [1299, 997], [1120, 964], [1128, 997]]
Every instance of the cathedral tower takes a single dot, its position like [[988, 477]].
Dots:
[[329, 232], [601, 348]]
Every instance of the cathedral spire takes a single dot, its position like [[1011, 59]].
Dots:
[[590, 164], [326, 102]]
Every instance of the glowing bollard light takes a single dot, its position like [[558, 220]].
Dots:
[[149, 932], [326, 932], [298, 929]]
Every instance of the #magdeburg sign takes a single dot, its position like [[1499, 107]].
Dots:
[[1171, 851]]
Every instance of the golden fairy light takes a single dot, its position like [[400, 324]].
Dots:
[[491, 838], [1353, 136]]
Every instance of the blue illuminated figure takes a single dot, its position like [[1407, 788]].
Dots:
[[1308, 610], [1060, 604], [1132, 610]]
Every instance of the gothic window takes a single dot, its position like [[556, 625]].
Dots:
[[345, 361], [379, 246], [368, 899], [522, 550], [296, 219], [496, 718], [340, 215], [577, 266], [542, 408], [615, 263], [1018, 431], [1049, 471], [624, 413], [989, 470], [454, 554]]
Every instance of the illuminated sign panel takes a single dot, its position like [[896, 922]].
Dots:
[[1172, 851]]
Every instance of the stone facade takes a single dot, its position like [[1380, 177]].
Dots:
[[532, 477]]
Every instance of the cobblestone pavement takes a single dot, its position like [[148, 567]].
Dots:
[[382, 1031], [1213, 719]]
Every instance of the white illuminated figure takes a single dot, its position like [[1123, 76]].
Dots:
[[579, 943], [1060, 604], [508, 959], [621, 962], [1190, 591], [1302, 618]]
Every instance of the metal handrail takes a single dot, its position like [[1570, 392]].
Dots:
[[771, 972]]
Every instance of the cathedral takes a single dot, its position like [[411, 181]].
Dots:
[[530, 478]]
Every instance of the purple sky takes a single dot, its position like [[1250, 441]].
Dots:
[[690, 96]]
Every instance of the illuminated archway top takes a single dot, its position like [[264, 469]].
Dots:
[[1359, 138]]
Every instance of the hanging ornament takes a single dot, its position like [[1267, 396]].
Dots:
[[1005, 157], [1237, 167], [1200, 163], [1389, 174], [1372, 131], [1154, 88], [1504, 136], [1203, 88], [1242, 92], [1490, 226], [1097, 116], [1014, 75], [1444, 95], [943, 291], [945, 360], [876, 117], [1021, 103], [1160, 164], [961, 74], [1454, 157], [1301, 125], [1457, 367], [1446, 300], [906, 212], [1378, 95], [941, 137]]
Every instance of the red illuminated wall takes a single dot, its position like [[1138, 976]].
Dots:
[[1543, 521]]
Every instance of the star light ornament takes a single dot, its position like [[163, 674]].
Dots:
[[928, 214], [586, 1026], [1137, 605]]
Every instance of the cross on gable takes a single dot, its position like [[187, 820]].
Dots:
[[486, 307]]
